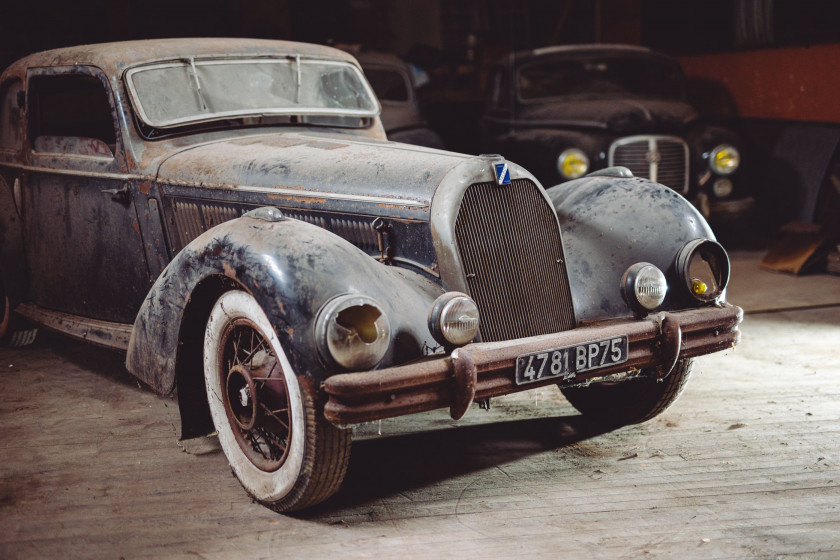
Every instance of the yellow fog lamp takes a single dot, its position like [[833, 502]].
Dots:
[[572, 163], [724, 159]]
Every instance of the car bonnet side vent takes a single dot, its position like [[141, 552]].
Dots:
[[512, 255]]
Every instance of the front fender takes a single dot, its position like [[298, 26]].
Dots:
[[610, 223], [291, 268]]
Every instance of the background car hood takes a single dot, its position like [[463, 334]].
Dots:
[[619, 115], [314, 163]]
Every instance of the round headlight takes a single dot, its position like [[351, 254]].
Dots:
[[643, 287], [453, 319], [353, 331], [703, 268], [724, 159], [722, 187], [572, 163]]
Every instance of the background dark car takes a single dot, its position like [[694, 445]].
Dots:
[[566, 111], [394, 84]]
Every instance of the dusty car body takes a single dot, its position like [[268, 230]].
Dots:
[[393, 82], [565, 111], [229, 214]]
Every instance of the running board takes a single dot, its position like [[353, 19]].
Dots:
[[102, 333]]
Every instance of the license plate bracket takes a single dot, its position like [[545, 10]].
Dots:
[[567, 362]]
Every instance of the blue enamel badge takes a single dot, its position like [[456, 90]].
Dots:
[[502, 173]]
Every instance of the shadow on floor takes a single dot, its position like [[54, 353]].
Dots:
[[390, 465]]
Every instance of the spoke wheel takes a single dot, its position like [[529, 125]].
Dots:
[[255, 398], [282, 450]]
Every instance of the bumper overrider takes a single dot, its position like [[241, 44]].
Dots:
[[479, 371]]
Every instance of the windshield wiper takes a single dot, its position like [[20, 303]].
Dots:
[[297, 79], [194, 73]]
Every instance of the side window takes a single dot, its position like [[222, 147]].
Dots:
[[11, 117], [70, 114]]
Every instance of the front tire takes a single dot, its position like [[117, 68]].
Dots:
[[630, 402], [280, 447]]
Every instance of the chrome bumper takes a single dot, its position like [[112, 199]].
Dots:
[[482, 370]]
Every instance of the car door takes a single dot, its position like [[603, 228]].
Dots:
[[83, 247]]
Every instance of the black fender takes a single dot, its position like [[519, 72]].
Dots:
[[611, 222], [537, 149], [292, 269]]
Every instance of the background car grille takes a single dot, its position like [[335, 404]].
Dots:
[[663, 159], [512, 255]]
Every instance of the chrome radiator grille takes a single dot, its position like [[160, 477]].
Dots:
[[512, 256], [663, 159]]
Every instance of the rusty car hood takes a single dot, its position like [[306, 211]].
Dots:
[[619, 115], [284, 165]]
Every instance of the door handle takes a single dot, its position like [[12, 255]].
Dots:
[[123, 195]]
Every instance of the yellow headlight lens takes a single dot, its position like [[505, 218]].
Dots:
[[572, 163], [699, 287], [724, 159]]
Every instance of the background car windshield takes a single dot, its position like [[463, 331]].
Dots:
[[601, 76], [389, 85], [193, 91]]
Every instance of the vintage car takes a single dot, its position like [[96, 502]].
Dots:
[[230, 215], [393, 83], [562, 112]]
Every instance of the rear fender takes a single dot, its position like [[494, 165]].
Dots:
[[610, 223]]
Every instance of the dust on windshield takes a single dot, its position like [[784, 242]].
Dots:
[[194, 90]]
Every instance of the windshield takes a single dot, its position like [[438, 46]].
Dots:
[[602, 76], [193, 91]]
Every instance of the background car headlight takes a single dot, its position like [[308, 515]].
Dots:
[[572, 163], [703, 268], [353, 331], [724, 159], [722, 187], [643, 287], [453, 319]]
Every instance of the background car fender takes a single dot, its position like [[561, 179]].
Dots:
[[610, 223], [291, 268]]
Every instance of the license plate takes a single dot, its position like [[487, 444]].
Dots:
[[567, 362]]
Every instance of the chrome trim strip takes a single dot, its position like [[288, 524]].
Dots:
[[332, 196], [79, 173], [103, 333], [269, 190]]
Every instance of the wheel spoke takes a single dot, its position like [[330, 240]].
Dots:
[[264, 439]]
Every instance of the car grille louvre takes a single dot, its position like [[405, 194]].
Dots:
[[193, 219], [664, 156], [512, 257]]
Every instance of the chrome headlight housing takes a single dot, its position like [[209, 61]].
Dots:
[[572, 163], [453, 319], [353, 331], [703, 269], [724, 159], [643, 287]]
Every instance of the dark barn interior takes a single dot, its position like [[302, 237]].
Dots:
[[745, 465]]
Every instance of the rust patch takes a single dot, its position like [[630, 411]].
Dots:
[[144, 187], [230, 272], [135, 225], [325, 145], [299, 199]]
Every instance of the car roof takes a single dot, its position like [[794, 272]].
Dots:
[[560, 51], [113, 58]]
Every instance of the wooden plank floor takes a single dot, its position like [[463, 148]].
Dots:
[[745, 465]]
